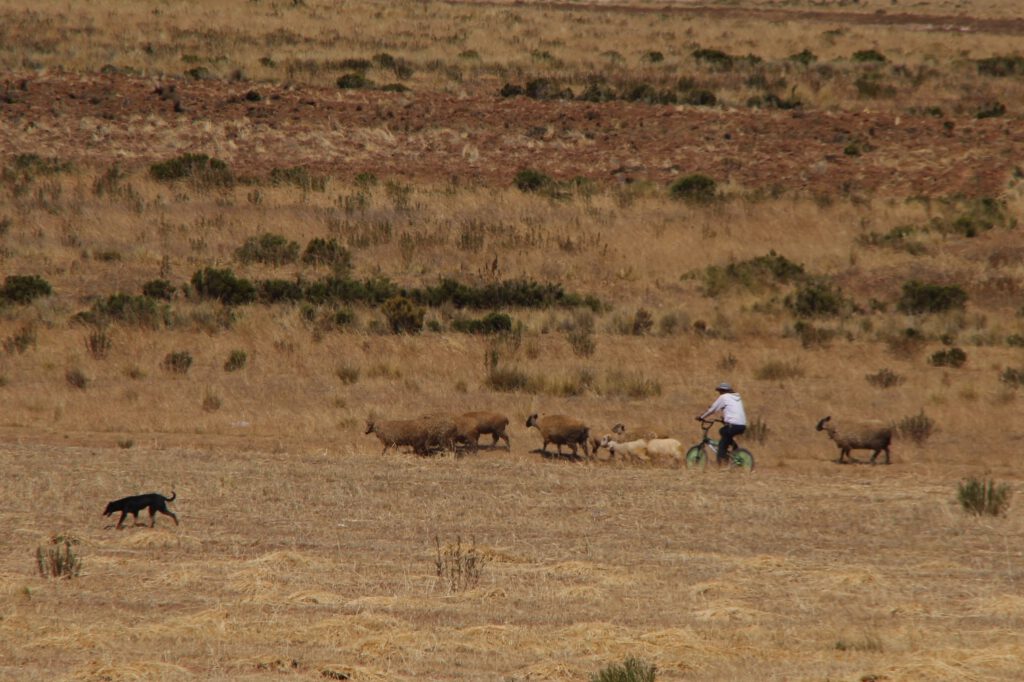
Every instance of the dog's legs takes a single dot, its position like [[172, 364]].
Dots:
[[167, 512], [121, 520]]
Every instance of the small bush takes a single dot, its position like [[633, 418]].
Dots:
[[269, 249], [951, 357], [813, 337], [23, 289], [328, 252], [1001, 66], [354, 81], [280, 291], [643, 322], [917, 428], [1012, 377], [715, 58], [59, 559], [21, 340], [694, 189], [869, 56], [98, 344], [236, 361], [211, 402], [200, 168], [805, 57], [981, 497], [778, 370], [582, 342], [884, 378], [632, 670], [492, 323], [816, 299], [906, 344], [530, 180], [159, 289], [139, 311], [404, 316], [221, 284], [754, 274], [349, 374], [178, 362], [76, 378], [458, 568], [507, 379], [918, 298]]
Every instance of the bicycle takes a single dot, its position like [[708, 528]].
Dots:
[[698, 455]]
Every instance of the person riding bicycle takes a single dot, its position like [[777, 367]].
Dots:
[[730, 404]]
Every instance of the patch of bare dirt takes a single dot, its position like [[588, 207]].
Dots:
[[99, 119]]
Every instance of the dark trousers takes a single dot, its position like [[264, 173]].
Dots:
[[727, 433]]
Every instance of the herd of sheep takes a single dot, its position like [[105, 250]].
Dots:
[[439, 431]]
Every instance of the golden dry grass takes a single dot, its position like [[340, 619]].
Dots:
[[304, 554]]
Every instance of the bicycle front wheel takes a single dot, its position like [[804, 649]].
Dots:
[[695, 458], [742, 458]]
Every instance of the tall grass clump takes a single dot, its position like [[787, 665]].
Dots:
[[59, 560], [884, 378], [694, 189], [23, 289], [778, 370], [236, 361], [458, 568], [917, 428], [983, 497], [631, 670]]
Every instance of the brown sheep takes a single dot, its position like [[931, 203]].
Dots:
[[442, 430], [561, 430], [475, 424], [877, 438], [392, 433]]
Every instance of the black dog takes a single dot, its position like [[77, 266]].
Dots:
[[136, 503]]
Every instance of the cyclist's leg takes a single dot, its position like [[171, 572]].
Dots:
[[728, 432]]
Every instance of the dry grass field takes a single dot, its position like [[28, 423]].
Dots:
[[223, 328]]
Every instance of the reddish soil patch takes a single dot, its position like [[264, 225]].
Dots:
[[99, 119]]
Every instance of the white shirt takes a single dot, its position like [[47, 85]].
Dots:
[[731, 405]]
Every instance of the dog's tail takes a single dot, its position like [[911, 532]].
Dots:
[[171, 498]]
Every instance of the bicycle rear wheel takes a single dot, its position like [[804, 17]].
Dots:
[[696, 458], [742, 458]]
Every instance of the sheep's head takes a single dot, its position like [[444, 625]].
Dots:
[[531, 420], [370, 426], [823, 424], [619, 428], [606, 441]]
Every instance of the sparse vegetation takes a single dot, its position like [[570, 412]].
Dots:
[[917, 428], [200, 169], [269, 249], [950, 357], [885, 378], [918, 298], [59, 559], [237, 360], [694, 189], [177, 362], [982, 497], [458, 568], [631, 670]]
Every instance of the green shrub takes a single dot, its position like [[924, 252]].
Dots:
[[699, 97], [981, 497], [24, 289], [138, 311], [328, 252], [403, 316], [884, 378], [200, 168], [917, 428], [805, 57], [653, 57], [811, 336], [221, 284], [632, 670], [918, 298], [816, 298], [492, 323], [1001, 66], [715, 58], [354, 81], [59, 560], [869, 56], [694, 189], [1015, 341], [754, 274], [159, 289], [530, 180], [178, 362], [280, 291], [950, 357], [236, 361], [522, 293], [1013, 377], [991, 110], [268, 248]]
